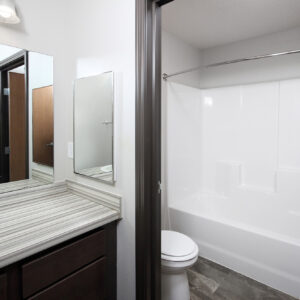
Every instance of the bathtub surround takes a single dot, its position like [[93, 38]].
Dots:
[[233, 171], [222, 125], [211, 281]]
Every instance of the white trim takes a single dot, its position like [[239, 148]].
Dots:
[[35, 192], [42, 175], [110, 200]]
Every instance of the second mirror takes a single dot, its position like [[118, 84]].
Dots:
[[93, 126]]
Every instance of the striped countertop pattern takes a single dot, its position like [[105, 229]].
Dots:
[[30, 226]]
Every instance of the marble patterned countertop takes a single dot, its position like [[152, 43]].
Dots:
[[34, 221]]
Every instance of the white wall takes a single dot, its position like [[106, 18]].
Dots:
[[87, 40], [177, 55], [103, 39], [262, 70]]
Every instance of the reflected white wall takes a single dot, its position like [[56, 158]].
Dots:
[[93, 106], [7, 51]]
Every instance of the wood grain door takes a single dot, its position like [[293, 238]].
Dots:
[[42, 118], [17, 127]]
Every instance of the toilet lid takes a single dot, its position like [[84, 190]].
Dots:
[[176, 244]]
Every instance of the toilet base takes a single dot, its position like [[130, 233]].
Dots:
[[175, 286]]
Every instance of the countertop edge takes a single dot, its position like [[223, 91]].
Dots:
[[25, 253]]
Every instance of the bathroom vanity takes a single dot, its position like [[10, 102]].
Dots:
[[82, 268], [58, 243], [57, 240]]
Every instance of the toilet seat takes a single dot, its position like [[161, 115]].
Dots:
[[177, 247]]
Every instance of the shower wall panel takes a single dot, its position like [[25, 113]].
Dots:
[[233, 141]]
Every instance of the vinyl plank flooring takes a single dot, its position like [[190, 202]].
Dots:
[[210, 281]]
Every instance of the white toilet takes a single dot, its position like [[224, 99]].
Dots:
[[178, 253]]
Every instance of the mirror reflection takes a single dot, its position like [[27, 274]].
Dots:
[[93, 126], [26, 119]]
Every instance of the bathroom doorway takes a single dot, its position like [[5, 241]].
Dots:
[[230, 146]]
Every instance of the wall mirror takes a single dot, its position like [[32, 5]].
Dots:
[[26, 119], [93, 127]]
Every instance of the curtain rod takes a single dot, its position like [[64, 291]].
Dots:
[[228, 62]]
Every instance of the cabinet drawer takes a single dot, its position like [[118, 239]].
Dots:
[[46, 270], [3, 287], [87, 283]]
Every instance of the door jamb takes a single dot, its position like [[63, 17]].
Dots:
[[148, 149]]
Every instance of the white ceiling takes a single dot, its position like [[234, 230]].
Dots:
[[209, 23]]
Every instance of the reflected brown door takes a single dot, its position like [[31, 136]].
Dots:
[[17, 127], [42, 118]]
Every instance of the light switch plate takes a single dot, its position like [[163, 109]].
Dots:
[[70, 149]]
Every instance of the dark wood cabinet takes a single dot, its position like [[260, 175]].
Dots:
[[82, 268], [87, 283], [3, 287]]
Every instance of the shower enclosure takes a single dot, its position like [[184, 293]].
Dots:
[[231, 157]]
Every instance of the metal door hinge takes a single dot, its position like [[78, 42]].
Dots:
[[6, 91], [7, 150]]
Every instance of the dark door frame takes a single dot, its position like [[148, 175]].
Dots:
[[148, 148], [12, 62]]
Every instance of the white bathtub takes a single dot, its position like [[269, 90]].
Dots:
[[236, 235]]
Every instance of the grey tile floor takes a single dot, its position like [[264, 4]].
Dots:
[[210, 281]]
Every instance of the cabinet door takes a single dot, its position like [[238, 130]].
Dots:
[[88, 284], [48, 269], [3, 287]]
